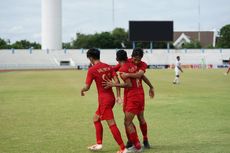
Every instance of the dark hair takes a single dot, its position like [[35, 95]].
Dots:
[[93, 53], [121, 55], [137, 52]]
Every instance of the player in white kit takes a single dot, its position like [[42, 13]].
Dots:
[[178, 69]]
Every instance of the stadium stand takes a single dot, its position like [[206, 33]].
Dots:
[[76, 58]]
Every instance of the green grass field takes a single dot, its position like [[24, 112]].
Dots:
[[43, 112]]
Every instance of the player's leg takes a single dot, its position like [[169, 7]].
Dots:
[[129, 142], [131, 130], [176, 80], [108, 115], [228, 70], [144, 129], [99, 133]]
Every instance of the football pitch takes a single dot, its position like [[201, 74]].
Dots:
[[43, 112]]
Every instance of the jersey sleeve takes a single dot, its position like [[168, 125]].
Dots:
[[116, 68], [89, 77], [113, 72], [123, 69], [143, 66]]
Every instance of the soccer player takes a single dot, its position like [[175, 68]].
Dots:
[[100, 72], [178, 69], [226, 73], [134, 102], [137, 55]]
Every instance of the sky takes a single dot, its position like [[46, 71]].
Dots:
[[21, 19]]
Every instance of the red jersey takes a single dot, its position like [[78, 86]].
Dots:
[[99, 73], [141, 66], [136, 88], [134, 96], [117, 67]]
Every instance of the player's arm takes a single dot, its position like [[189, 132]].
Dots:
[[84, 89], [89, 80], [139, 74], [136, 75], [118, 89], [116, 68], [109, 83], [151, 89], [180, 68]]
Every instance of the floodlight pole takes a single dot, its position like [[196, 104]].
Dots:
[[199, 21], [168, 46], [151, 46], [134, 45]]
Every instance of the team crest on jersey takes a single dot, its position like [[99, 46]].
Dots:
[[132, 69]]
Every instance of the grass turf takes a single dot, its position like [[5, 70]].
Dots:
[[43, 112]]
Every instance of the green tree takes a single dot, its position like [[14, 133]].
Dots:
[[4, 44], [81, 41], [120, 37], [67, 45], [193, 44], [224, 40], [24, 44]]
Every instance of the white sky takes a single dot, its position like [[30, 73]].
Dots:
[[21, 19]]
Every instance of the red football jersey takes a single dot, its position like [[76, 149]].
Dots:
[[136, 88], [117, 67], [141, 66], [99, 73]]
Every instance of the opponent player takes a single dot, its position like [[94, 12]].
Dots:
[[178, 69], [106, 99]]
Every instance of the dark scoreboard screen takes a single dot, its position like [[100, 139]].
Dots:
[[151, 30]]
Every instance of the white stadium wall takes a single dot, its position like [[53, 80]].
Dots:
[[47, 59]]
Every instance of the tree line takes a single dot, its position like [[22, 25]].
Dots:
[[118, 38]]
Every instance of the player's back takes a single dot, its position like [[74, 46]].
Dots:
[[102, 72]]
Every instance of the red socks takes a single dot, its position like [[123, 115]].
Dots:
[[117, 135], [99, 131]]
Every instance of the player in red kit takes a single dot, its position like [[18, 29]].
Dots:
[[133, 97], [100, 72], [137, 55]]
